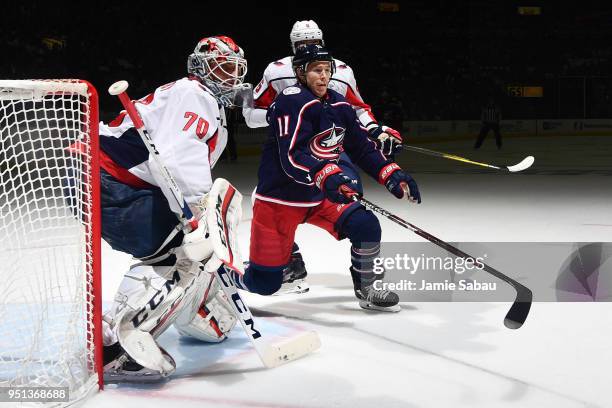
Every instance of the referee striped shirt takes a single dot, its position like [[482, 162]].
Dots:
[[490, 114]]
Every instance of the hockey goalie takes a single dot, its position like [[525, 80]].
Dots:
[[173, 281], [177, 287]]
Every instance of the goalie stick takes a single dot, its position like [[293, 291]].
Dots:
[[519, 310], [271, 355], [520, 166]]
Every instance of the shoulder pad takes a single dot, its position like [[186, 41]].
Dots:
[[341, 64], [190, 84], [195, 86]]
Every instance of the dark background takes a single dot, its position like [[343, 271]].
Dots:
[[427, 60]]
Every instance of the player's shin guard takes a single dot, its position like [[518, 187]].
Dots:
[[371, 296], [363, 229], [362, 265]]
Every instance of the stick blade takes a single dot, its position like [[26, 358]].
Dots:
[[517, 314], [283, 352], [524, 164]]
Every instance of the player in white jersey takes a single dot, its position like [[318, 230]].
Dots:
[[171, 282], [277, 76]]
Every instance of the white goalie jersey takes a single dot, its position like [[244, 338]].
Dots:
[[188, 127], [279, 74]]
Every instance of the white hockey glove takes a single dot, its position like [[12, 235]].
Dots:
[[388, 140]]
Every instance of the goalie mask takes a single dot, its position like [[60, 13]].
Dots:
[[304, 31], [220, 64]]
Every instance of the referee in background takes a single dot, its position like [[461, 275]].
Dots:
[[490, 117]]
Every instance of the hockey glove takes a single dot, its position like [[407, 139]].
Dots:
[[334, 184], [388, 140], [244, 96], [399, 183]]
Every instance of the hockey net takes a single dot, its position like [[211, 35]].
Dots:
[[50, 316]]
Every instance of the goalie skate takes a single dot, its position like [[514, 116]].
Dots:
[[119, 367]]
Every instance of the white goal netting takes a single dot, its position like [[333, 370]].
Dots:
[[48, 235]]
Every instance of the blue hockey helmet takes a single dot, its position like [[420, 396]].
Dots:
[[310, 53]]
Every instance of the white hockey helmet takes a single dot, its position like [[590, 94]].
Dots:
[[305, 30], [220, 64]]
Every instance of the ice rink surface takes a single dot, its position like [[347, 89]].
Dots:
[[429, 354]]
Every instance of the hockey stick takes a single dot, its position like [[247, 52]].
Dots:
[[119, 89], [522, 165], [271, 355], [517, 314]]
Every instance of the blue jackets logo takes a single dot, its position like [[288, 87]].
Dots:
[[328, 144]]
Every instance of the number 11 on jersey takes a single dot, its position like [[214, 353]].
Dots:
[[283, 126]]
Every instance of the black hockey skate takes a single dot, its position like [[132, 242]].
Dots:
[[371, 298], [120, 367], [294, 276]]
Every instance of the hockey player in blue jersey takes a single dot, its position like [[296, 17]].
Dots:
[[277, 76], [300, 181]]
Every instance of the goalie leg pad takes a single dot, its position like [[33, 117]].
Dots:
[[212, 317], [212, 320], [146, 309], [139, 284]]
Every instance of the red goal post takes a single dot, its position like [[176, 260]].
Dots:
[[50, 298]]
